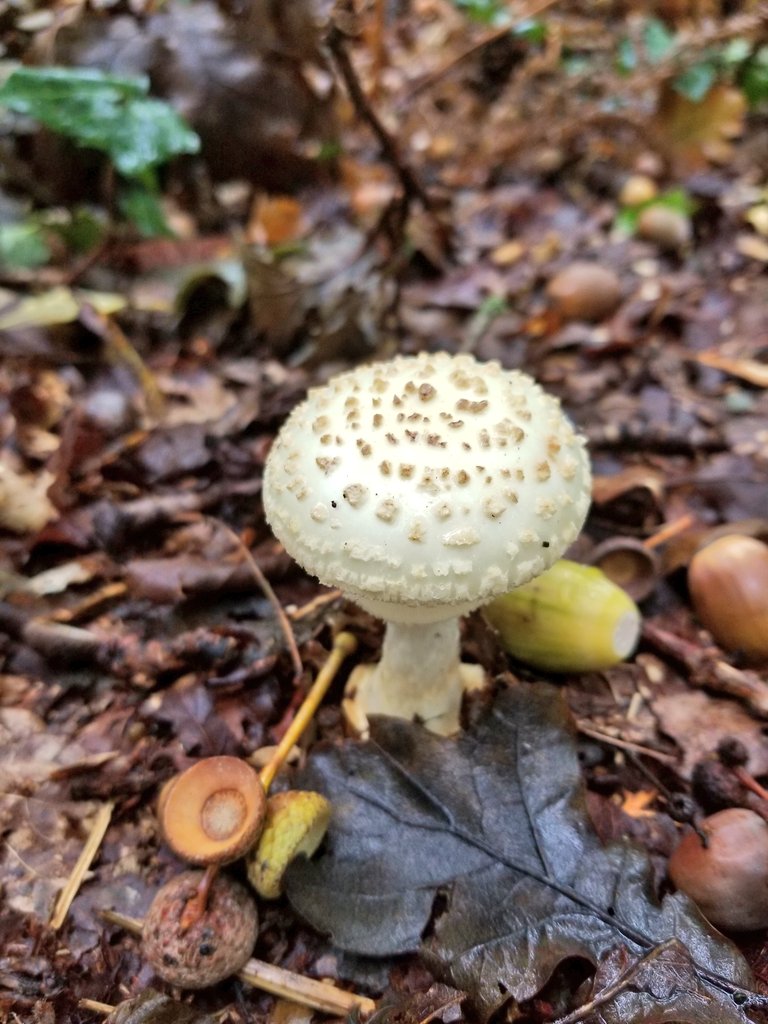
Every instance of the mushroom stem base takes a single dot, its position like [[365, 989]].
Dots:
[[419, 677]]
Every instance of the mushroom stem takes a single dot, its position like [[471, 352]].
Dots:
[[419, 676]]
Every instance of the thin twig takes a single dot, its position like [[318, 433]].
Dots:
[[95, 1006], [669, 530], [277, 980], [412, 186], [314, 605], [487, 40], [271, 596], [635, 748], [83, 863], [624, 980]]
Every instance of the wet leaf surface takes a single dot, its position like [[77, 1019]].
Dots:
[[496, 823]]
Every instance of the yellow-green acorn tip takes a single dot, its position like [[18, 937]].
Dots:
[[571, 618]]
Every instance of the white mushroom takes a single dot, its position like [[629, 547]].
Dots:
[[423, 487]]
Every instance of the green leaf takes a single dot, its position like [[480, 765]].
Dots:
[[495, 821], [626, 57], [696, 82], [103, 112], [533, 30], [484, 11], [83, 231], [735, 51], [754, 78], [140, 205], [23, 245], [657, 40]]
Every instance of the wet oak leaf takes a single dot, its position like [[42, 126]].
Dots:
[[496, 822]]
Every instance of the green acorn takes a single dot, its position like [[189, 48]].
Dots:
[[572, 618]]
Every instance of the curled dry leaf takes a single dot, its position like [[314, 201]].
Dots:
[[24, 503], [696, 131], [153, 1007], [496, 821]]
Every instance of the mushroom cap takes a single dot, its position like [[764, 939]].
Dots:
[[426, 485], [214, 811]]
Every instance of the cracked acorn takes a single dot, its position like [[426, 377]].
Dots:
[[217, 944], [424, 487], [571, 618], [201, 926]]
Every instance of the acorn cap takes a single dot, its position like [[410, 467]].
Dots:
[[426, 485], [629, 564], [295, 824], [213, 812], [215, 946]]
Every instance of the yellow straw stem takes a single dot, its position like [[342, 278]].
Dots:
[[344, 644], [277, 981], [80, 870]]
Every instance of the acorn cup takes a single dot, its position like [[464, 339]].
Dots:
[[212, 812], [572, 618], [728, 583]]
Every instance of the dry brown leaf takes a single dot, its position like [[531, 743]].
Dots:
[[24, 503], [698, 132], [275, 220], [639, 804], [606, 488]]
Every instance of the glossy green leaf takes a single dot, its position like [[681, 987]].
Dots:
[[696, 82], [104, 112], [23, 245], [141, 205], [657, 40]]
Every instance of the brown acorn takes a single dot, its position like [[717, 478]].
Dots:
[[727, 878], [585, 291], [728, 582], [667, 228]]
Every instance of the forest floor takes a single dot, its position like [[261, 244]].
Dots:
[[412, 178]]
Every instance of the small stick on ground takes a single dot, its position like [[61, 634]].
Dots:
[[626, 978], [668, 531], [271, 596], [276, 980], [84, 861], [95, 1006], [500, 33], [314, 605], [705, 669], [344, 644], [412, 186], [615, 741]]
